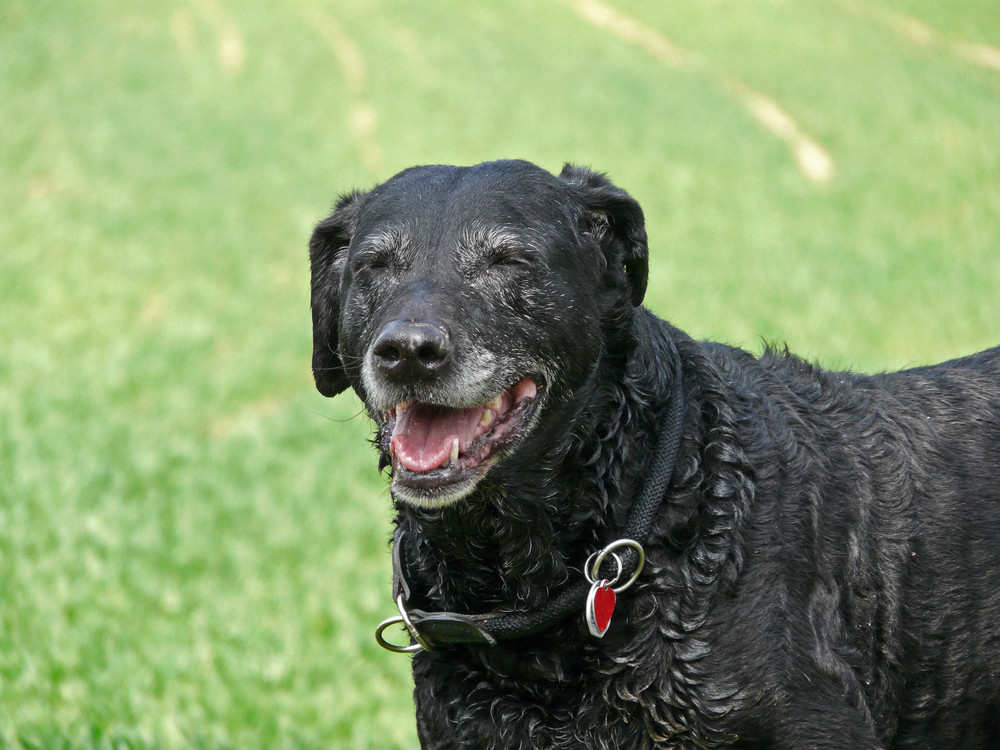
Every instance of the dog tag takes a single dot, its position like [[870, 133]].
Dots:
[[600, 607]]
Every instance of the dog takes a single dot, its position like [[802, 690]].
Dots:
[[820, 550]]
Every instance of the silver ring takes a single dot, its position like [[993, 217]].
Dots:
[[402, 619], [592, 571], [609, 550], [411, 649]]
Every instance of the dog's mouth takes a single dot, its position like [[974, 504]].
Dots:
[[440, 452]]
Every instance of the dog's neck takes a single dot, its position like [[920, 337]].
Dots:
[[502, 547]]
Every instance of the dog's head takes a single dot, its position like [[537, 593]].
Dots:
[[463, 304]]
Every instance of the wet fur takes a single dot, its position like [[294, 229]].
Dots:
[[824, 572]]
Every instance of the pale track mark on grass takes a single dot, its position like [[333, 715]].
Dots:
[[182, 27], [361, 118], [248, 418], [231, 48], [923, 35], [154, 309], [630, 30], [980, 54], [812, 160]]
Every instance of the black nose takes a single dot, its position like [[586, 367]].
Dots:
[[408, 349]]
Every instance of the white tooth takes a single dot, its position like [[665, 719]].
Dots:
[[487, 419], [495, 403], [401, 407], [454, 451]]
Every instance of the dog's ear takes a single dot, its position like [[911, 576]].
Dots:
[[327, 255], [616, 218]]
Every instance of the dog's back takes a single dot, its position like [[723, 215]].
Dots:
[[948, 418], [883, 521]]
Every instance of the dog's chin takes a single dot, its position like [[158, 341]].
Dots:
[[435, 489], [440, 453]]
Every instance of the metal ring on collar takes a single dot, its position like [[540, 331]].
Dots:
[[402, 619], [591, 571], [594, 570]]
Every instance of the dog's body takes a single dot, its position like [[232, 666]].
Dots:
[[823, 572]]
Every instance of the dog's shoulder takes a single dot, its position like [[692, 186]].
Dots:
[[775, 375]]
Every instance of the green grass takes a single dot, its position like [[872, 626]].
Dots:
[[192, 541]]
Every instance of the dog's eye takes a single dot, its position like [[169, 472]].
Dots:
[[510, 258], [370, 263]]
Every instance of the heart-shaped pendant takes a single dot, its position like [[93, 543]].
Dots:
[[600, 607]]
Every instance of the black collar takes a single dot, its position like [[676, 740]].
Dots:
[[429, 630]]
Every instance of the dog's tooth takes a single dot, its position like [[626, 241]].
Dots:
[[487, 418], [401, 407], [495, 403], [454, 451]]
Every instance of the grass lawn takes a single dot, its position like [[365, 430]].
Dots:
[[193, 543]]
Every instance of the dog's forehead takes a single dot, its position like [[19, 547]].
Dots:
[[439, 200]]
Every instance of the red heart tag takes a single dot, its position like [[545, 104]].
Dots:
[[600, 607]]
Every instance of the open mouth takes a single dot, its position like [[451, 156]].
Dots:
[[440, 452]]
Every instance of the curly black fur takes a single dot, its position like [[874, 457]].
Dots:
[[824, 572]]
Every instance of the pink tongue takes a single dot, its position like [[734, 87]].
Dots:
[[425, 434]]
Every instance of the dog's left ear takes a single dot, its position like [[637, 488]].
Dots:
[[327, 255], [617, 219]]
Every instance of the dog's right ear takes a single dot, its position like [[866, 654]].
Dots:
[[327, 256]]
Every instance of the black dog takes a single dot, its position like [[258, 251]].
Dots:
[[823, 570]]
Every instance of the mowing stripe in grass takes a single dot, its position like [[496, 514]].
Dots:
[[981, 54], [923, 35], [229, 38], [630, 30], [813, 161], [361, 118]]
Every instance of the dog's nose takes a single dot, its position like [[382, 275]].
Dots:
[[407, 348]]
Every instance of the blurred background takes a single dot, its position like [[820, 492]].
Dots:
[[193, 542]]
